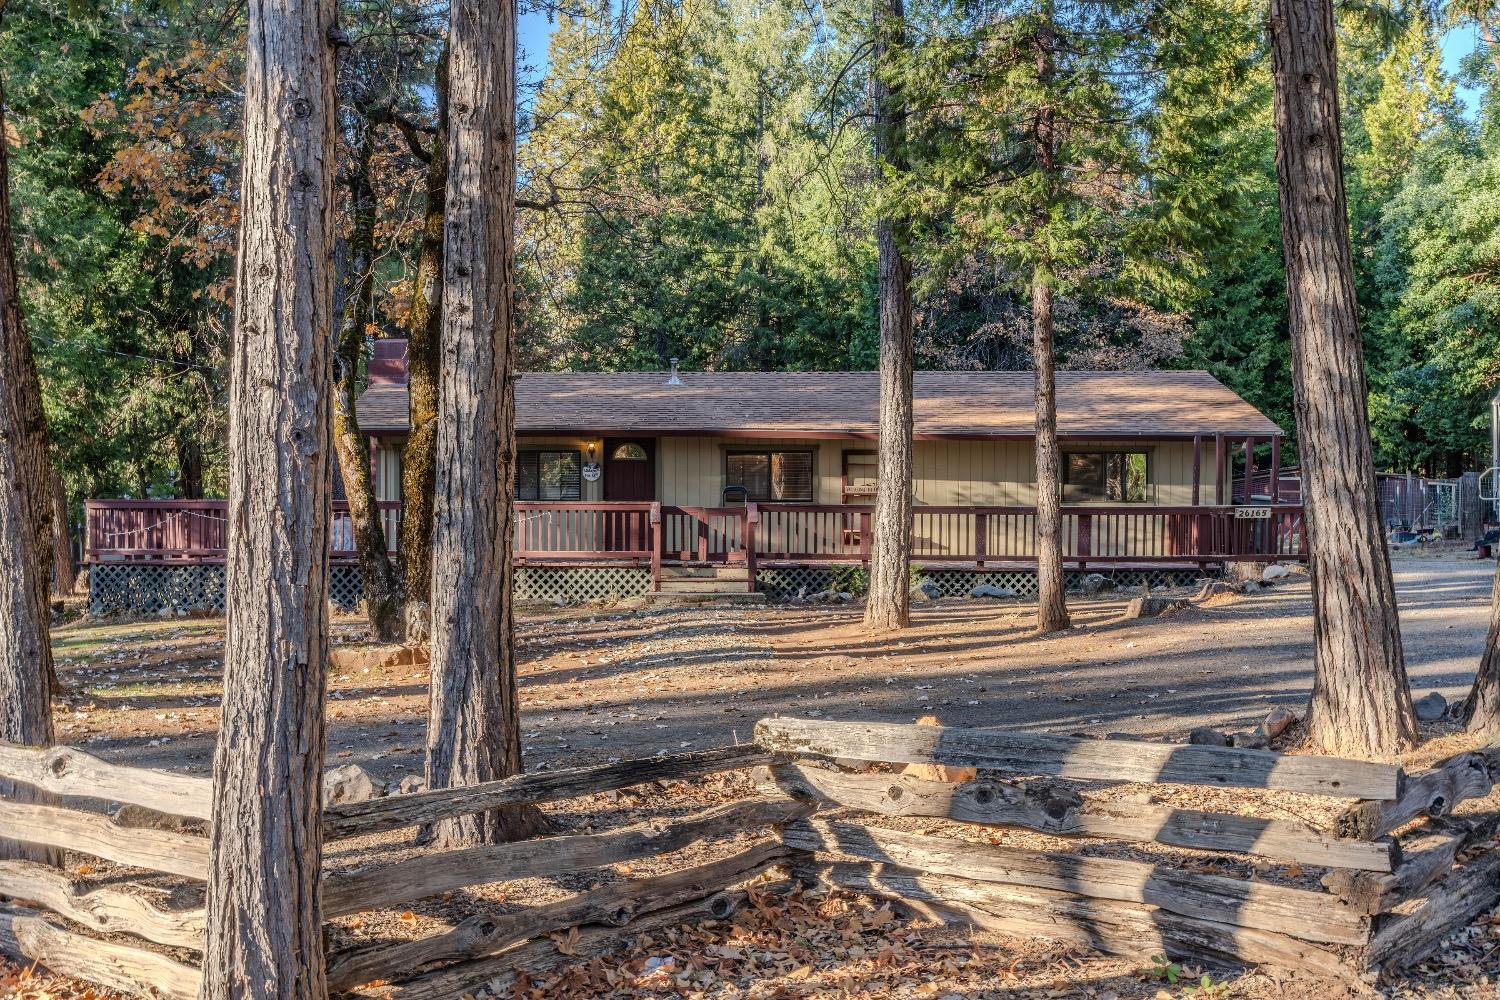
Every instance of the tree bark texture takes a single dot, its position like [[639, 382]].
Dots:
[[1052, 601], [64, 573], [1481, 709], [25, 530], [889, 601], [378, 572], [265, 935], [1051, 598], [473, 732], [423, 362], [1361, 705]]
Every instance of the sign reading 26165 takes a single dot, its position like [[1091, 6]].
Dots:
[[1252, 513]]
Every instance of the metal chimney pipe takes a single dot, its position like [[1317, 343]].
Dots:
[[672, 379]]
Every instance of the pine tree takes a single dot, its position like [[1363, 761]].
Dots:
[[1069, 144], [1361, 704], [25, 528], [473, 731]]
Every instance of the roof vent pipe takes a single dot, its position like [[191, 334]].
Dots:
[[672, 379]]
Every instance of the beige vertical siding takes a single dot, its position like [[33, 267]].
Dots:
[[388, 468], [690, 470]]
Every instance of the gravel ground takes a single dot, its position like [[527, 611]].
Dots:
[[598, 683], [602, 683]]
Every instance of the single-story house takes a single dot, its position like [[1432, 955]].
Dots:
[[1157, 438], [628, 482]]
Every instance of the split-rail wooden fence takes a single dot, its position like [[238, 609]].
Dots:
[[1399, 869]]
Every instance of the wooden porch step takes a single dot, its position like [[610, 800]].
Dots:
[[736, 571], [720, 597], [703, 586]]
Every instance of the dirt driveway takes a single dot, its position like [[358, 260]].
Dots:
[[598, 683]]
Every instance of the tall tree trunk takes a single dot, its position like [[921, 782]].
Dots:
[[889, 602], [1361, 704], [423, 362], [1051, 598], [473, 731], [64, 573], [189, 468], [378, 572], [25, 530], [1481, 709], [265, 933]]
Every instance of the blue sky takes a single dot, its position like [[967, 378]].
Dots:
[[1459, 42]]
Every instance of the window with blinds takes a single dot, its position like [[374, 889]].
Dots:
[[771, 476], [549, 475]]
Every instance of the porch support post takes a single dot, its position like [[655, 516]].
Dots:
[[1197, 469], [981, 535], [656, 547], [752, 520], [1276, 469], [1220, 447], [1249, 469]]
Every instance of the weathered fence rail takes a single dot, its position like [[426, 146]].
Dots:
[[82, 789], [1384, 900], [1409, 859]]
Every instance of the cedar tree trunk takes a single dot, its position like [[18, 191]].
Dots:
[[1051, 597], [64, 573], [423, 362], [1481, 709], [473, 731], [889, 601], [1361, 705], [265, 933], [382, 604], [25, 532]]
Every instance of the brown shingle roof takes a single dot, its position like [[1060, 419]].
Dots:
[[948, 404]]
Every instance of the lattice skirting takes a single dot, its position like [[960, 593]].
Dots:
[[577, 584], [346, 587], [134, 589], [786, 583]]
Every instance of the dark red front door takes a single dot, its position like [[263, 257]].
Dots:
[[629, 469]]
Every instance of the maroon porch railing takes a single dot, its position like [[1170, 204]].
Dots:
[[195, 530], [763, 534], [1091, 535]]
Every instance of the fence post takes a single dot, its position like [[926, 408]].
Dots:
[[864, 537], [747, 529], [1085, 539], [656, 543], [981, 536]]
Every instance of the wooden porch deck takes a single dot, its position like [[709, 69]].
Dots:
[[1119, 536]]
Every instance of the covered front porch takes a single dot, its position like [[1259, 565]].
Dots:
[[652, 535]]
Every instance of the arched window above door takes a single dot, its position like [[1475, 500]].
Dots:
[[629, 452]]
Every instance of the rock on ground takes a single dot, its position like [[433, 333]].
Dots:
[[380, 656], [1431, 707], [1206, 736], [350, 783], [988, 590], [927, 589], [1277, 721], [1151, 607]]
